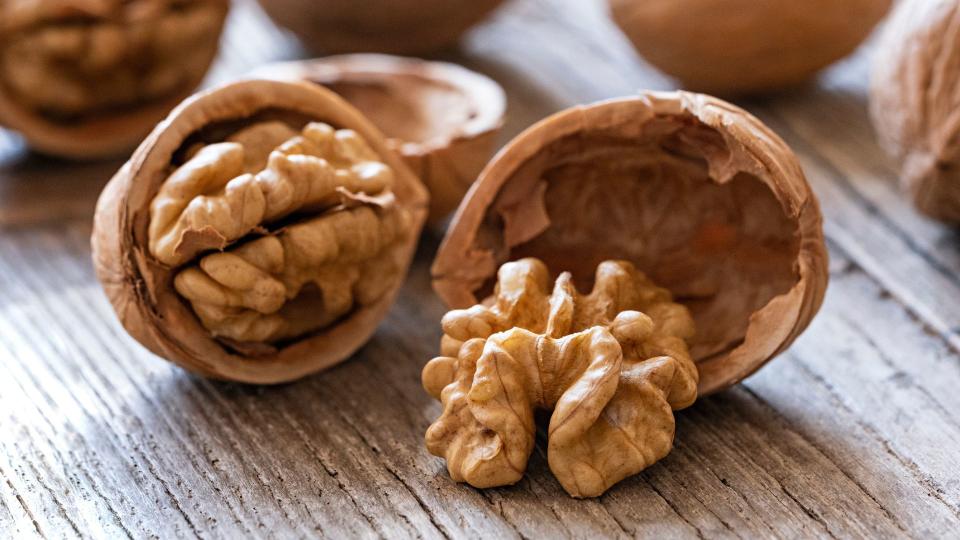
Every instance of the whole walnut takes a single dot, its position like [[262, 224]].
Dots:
[[90, 78], [259, 234], [389, 26], [914, 102], [744, 46]]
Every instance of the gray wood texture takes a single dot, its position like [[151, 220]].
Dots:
[[852, 433]]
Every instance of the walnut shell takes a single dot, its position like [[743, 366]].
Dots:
[[146, 293], [389, 26], [914, 102], [697, 193], [442, 118], [89, 78], [742, 46]]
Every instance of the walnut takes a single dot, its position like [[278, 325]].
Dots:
[[694, 191], [390, 26], [442, 118], [89, 78], [612, 366], [259, 234], [913, 102], [744, 46]]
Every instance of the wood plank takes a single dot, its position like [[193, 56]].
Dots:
[[850, 434], [705, 462]]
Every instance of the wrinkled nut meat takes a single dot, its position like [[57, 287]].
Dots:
[[389, 26], [914, 102], [697, 193], [442, 118], [259, 234], [90, 78], [612, 366], [252, 292], [744, 46]]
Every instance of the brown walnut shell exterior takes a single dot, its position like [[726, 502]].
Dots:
[[140, 288], [99, 136], [745, 46], [388, 26], [442, 118], [914, 102], [696, 192]]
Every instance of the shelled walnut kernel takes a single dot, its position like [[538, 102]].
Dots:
[[612, 366]]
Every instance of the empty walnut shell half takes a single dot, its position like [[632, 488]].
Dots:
[[697, 193], [389, 26], [745, 46], [914, 102], [442, 118], [89, 79], [259, 234]]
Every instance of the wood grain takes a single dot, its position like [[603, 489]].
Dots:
[[852, 433]]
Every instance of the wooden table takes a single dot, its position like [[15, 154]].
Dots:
[[854, 432]]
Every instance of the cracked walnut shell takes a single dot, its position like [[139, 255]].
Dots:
[[697, 193], [914, 102], [90, 78], [744, 46], [259, 234], [611, 366], [389, 26], [442, 118]]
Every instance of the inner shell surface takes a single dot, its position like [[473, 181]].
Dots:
[[404, 105], [724, 250]]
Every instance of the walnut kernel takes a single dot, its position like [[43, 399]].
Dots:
[[612, 366], [252, 291]]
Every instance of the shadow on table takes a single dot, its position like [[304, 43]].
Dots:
[[41, 189]]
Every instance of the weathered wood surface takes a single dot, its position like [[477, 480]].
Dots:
[[852, 433]]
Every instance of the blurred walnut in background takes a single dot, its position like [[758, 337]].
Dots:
[[87, 78], [914, 102], [390, 26], [744, 46]]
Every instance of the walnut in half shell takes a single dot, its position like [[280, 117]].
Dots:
[[697, 193], [914, 102], [610, 366], [259, 234], [90, 78], [442, 118], [389, 26], [743, 46]]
